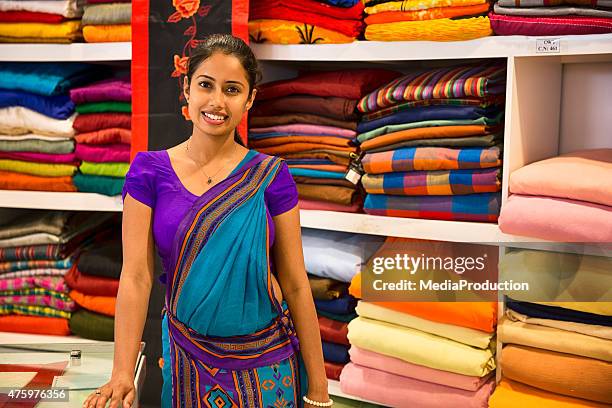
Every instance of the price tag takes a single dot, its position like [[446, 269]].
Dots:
[[548, 45]]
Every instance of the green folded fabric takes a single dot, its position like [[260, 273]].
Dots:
[[99, 107], [104, 169], [92, 325], [341, 318], [32, 310], [110, 186], [37, 146], [38, 169]]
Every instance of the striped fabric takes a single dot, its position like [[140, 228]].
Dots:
[[431, 158], [454, 82], [38, 297], [25, 265], [445, 182], [33, 252], [472, 207], [51, 283], [33, 311], [34, 272]]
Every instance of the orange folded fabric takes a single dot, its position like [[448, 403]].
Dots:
[[19, 181], [322, 167], [434, 132], [338, 159], [427, 14], [275, 141], [107, 33], [301, 147], [54, 326], [99, 304], [105, 136]]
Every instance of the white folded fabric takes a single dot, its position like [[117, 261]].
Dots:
[[17, 120], [67, 8]]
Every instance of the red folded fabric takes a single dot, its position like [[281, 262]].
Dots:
[[333, 331], [343, 13], [90, 284], [56, 158], [105, 136], [116, 153], [350, 84], [54, 326], [30, 17], [333, 370], [90, 122], [542, 26]]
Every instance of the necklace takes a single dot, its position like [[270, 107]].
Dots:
[[209, 179]]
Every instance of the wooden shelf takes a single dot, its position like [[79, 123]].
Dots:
[[49, 200], [84, 52]]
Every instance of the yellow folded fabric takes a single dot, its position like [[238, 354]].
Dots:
[[443, 29], [67, 30], [107, 33], [420, 348], [411, 5], [37, 169], [24, 40], [549, 338], [471, 337], [293, 32]]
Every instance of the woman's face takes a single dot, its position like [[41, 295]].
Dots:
[[218, 95]]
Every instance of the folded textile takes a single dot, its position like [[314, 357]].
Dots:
[[410, 5], [100, 304], [471, 337], [552, 339], [105, 106], [67, 8], [56, 106], [97, 121], [324, 206], [482, 207], [559, 313], [552, 11], [549, 3], [338, 317], [64, 32], [297, 172], [107, 33], [533, 216], [37, 238], [41, 158], [335, 156], [336, 353], [38, 297], [349, 84], [443, 182], [104, 260], [352, 12], [56, 284], [36, 143], [543, 26], [333, 331], [453, 82], [110, 186], [279, 140], [599, 308], [604, 332], [113, 89], [588, 378], [584, 175], [25, 265], [33, 310], [18, 120], [91, 284], [453, 142], [103, 153], [324, 181], [397, 391], [18, 181], [30, 16], [38, 169], [92, 325], [300, 129], [332, 371], [330, 107], [113, 13], [299, 118], [293, 32], [443, 29], [326, 289], [426, 14], [104, 169], [343, 305], [34, 272], [54, 326], [105, 136], [342, 3], [332, 194]]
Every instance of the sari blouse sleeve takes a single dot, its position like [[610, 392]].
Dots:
[[281, 195], [140, 180]]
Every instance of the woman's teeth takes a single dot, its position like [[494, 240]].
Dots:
[[213, 117]]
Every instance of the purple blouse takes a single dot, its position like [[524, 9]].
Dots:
[[152, 181]]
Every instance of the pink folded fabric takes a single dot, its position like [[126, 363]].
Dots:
[[327, 206], [556, 219], [305, 129], [397, 391], [117, 153], [107, 90], [67, 158], [541, 26], [39, 300], [52, 283], [403, 368]]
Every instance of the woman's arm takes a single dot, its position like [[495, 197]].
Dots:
[[289, 261], [132, 303]]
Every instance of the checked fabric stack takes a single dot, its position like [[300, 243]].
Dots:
[[107, 21], [305, 22], [309, 121], [433, 144], [104, 135]]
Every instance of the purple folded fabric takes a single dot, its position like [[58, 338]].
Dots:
[[306, 129], [67, 158], [108, 90], [118, 153]]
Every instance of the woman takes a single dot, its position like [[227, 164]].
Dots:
[[226, 225]]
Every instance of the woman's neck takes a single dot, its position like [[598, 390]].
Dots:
[[204, 148]]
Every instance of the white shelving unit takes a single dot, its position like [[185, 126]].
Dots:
[[78, 52]]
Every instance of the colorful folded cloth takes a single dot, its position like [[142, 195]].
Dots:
[[332, 194], [300, 129], [18, 120], [326, 289], [35, 272], [36, 143], [444, 182], [604, 332], [114, 13], [103, 260], [338, 317], [107, 33], [55, 106], [110, 186], [551, 11], [543, 26], [332, 371], [104, 169], [91, 284], [315, 173], [37, 297], [97, 121], [552, 339], [482, 207], [353, 12], [348, 28], [19, 181], [402, 368], [32, 310], [343, 305], [333, 331], [323, 181], [65, 32], [36, 264], [299, 118], [113, 89], [92, 325], [67, 8], [559, 313], [426, 14], [538, 217], [105, 137], [54, 326], [342, 3], [397, 391], [99, 304], [324, 206], [420, 348], [329, 107], [38, 169], [444, 29], [588, 378], [412, 5], [293, 32], [335, 156], [30, 16], [453, 142], [117, 153], [102, 107], [38, 238], [336, 353], [43, 158], [274, 141]]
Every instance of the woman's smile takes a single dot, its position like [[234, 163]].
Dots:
[[213, 119]]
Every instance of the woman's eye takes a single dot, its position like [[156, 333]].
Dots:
[[233, 90], [205, 84]]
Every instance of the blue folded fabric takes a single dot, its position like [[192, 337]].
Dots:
[[316, 173], [336, 353], [343, 305], [56, 106], [558, 313], [421, 114], [48, 78]]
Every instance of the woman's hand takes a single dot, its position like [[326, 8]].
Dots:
[[120, 391]]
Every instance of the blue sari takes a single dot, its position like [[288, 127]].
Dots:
[[227, 340]]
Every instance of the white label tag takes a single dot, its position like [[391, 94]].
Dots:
[[548, 45], [352, 176]]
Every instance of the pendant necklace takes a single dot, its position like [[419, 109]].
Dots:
[[209, 179]]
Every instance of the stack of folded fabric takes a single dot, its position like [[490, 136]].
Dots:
[[315, 142], [433, 144], [305, 22], [40, 21], [36, 124], [37, 250], [574, 187], [107, 21], [94, 281], [429, 20], [105, 152], [558, 340], [558, 17]]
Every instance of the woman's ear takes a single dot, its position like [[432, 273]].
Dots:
[[250, 101], [186, 88]]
